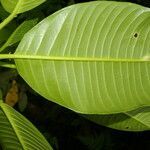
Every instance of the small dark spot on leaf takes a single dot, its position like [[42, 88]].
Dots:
[[135, 35], [127, 127]]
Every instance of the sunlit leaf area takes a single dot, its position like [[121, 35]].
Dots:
[[75, 75]]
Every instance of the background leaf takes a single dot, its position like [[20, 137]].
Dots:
[[22, 5], [18, 34], [136, 120], [16, 132]]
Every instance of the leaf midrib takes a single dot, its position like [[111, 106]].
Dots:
[[64, 58]]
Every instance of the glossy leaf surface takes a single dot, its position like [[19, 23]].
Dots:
[[92, 58]]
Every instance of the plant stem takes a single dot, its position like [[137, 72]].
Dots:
[[7, 65], [7, 20], [12, 15]]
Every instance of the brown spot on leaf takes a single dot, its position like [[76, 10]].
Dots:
[[135, 35]]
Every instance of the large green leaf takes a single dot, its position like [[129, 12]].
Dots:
[[17, 133], [92, 58], [135, 120], [20, 5]]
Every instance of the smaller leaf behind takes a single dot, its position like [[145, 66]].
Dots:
[[136, 120], [18, 34], [22, 5]]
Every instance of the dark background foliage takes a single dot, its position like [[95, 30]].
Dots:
[[64, 129]]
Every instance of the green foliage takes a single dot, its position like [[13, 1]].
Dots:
[[18, 34], [136, 120], [22, 133], [20, 6], [17, 6], [66, 65], [92, 58]]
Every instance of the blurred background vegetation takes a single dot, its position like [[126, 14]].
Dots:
[[64, 129]]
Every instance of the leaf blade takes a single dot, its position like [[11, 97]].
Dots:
[[22, 134], [103, 30], [136, 120]]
